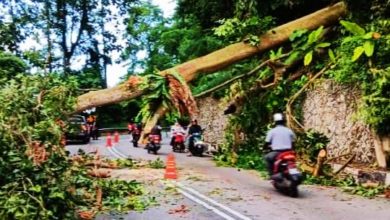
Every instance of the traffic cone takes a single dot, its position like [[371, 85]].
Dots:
[[116, 137], [170, 168], [170, 157], [108, 140]]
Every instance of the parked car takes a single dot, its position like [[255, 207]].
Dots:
[[77, 129]]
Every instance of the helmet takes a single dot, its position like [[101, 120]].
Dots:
[[278, 117]]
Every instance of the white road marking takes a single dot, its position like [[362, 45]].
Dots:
[[208, 199], [119, 153], [114, 153], [207, 206]]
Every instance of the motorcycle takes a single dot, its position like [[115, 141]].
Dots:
[[197, 147], [154, 143], [286, 177], [136, 134], [178, 142]]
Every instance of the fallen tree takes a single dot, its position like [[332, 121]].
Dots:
[[216, 60]]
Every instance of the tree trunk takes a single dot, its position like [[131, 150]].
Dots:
[[151, 122], [220, 58], [382, 150]]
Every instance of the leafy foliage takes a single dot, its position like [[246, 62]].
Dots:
[[10, 66], [310, 143], [359, 35], [306, 44], [157, 163], [248, 30], [37, 178], [37, 188], [372, 72], [348, 184]]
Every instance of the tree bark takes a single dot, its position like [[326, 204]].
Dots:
[[382, 150], [220, 58]]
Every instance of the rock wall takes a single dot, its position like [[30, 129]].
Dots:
[[330, 109], [211, 118]]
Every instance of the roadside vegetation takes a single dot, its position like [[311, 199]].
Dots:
[[39, 87]]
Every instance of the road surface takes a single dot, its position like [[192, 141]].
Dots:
[[204, 191]]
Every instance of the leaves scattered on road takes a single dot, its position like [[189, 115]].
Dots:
[[182, 209]]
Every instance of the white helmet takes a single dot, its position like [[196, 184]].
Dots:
[[278, 117]]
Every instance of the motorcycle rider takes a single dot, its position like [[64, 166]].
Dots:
[[279, 139], [135, 130], [132, 126], [156, 130], [194, 128], [176, 129]]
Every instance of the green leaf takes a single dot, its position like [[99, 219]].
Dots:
[[274, 55], [57, 195], [368, 36], [349, 39], [308, 58], [353, 28], [331, 56], [293, 57], [369, 48], [323, 45], [314, 35], [297, 34], [36, 188], [357, 53]]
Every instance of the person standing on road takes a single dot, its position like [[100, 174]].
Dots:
[[279, 139]]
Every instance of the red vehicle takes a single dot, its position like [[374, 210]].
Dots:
[[178, 142], [286, 177], [135, 131], [154, 143]]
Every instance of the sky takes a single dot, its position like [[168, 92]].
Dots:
[[116, 71]]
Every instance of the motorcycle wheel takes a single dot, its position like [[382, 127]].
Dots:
[[293, 191], [148, 148], [182, 148], [135, 143], [199, 151]]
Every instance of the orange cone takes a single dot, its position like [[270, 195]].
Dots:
[[170, 157], [170, 169], [108, 140], [116, 137]]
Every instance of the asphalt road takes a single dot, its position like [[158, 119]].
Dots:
[[204, 191]]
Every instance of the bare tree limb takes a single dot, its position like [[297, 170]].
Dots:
[[257, 68], [345, 164], [291, 120]]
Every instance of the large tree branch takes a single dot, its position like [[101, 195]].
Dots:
[[220, 58]]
